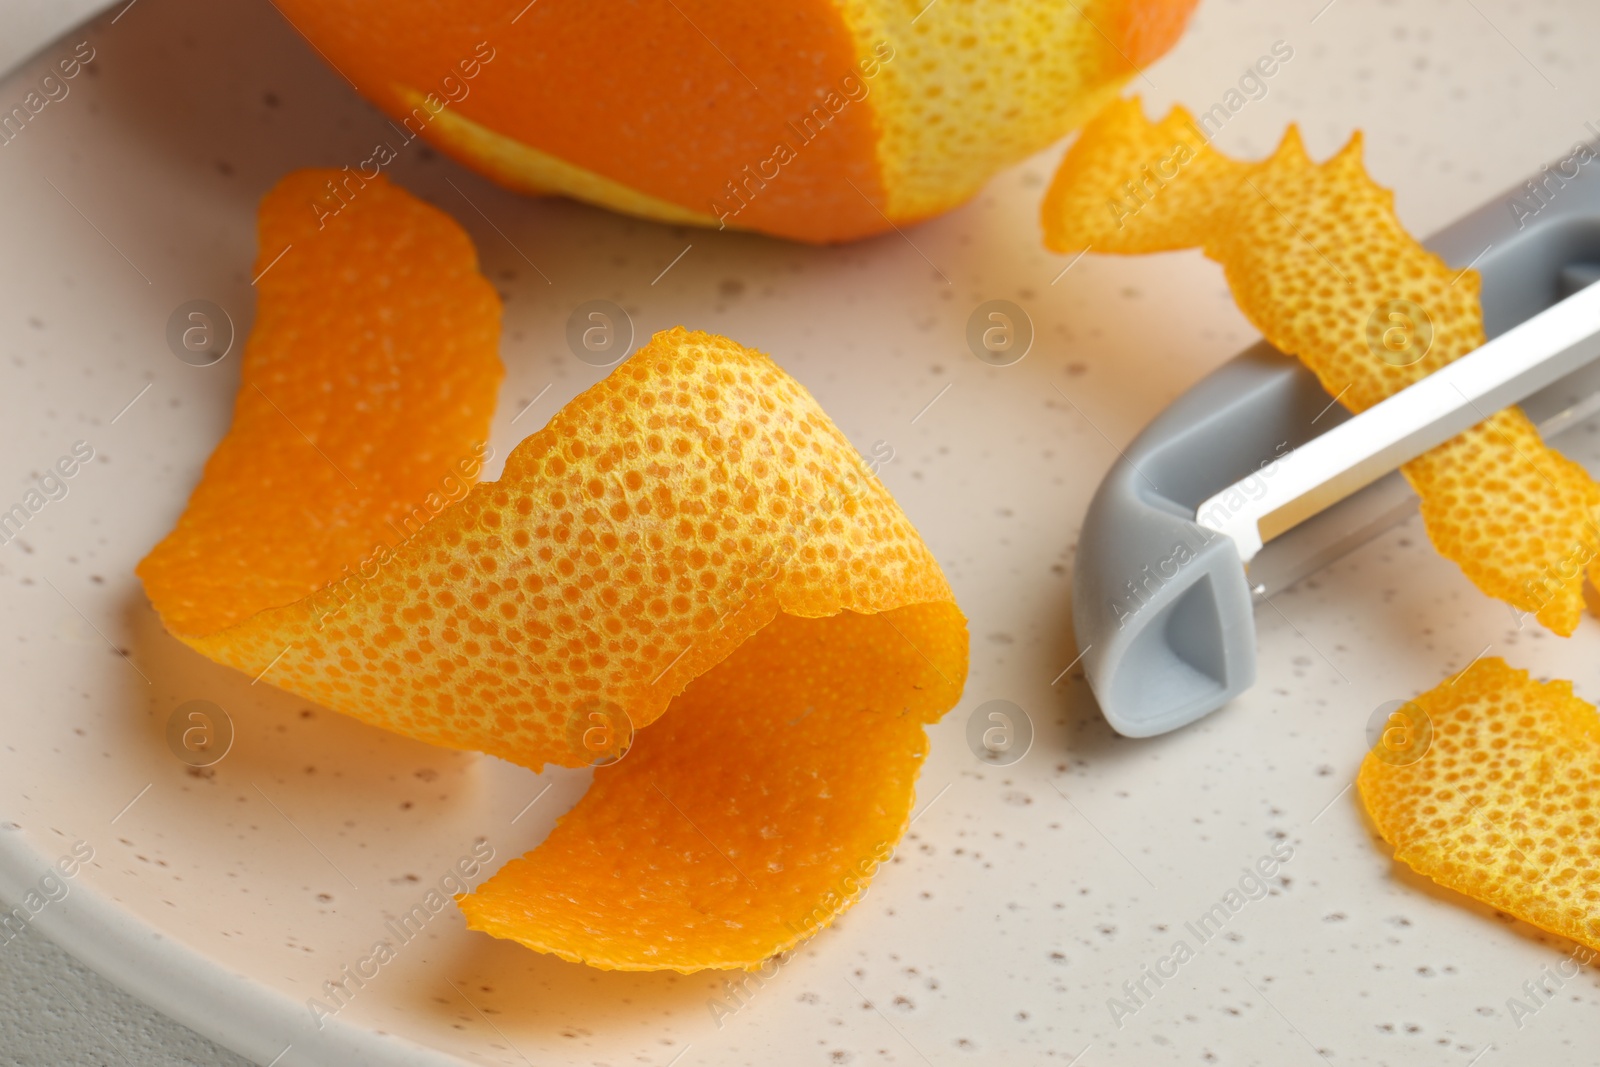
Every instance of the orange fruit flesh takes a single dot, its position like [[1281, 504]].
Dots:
[[1316, 257], [824, 120], [686, 535], [635, 92], [1504, 803]]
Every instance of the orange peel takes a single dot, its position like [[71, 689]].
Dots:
[[750, 816], [1503, 803], [692, 533], [1320, 264], [366, 385]]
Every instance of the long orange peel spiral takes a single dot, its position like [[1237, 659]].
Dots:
[[1316, 258], [691, 535], [1503, 803]]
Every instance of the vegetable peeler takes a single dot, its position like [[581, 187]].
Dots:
[[1256, 477]]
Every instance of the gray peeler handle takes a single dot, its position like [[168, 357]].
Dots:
[[1161, 606]]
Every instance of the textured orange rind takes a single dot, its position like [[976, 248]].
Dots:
[[1319, 263], [366, 388], [692, 532], [753, 813], [1503, 804]]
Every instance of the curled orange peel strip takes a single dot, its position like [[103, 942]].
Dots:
[[1492, 788], [1319, 263], [692, 533]]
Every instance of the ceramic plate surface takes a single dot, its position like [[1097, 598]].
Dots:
[[1025, 896]]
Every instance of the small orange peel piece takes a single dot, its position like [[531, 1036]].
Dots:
[[692, 534], [1320, 264], [1503, 805]]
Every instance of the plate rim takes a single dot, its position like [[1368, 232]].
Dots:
[[180, 982]]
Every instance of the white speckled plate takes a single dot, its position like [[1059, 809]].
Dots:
[[227, 896]]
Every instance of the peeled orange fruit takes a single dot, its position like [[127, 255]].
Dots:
[[819, 120]]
